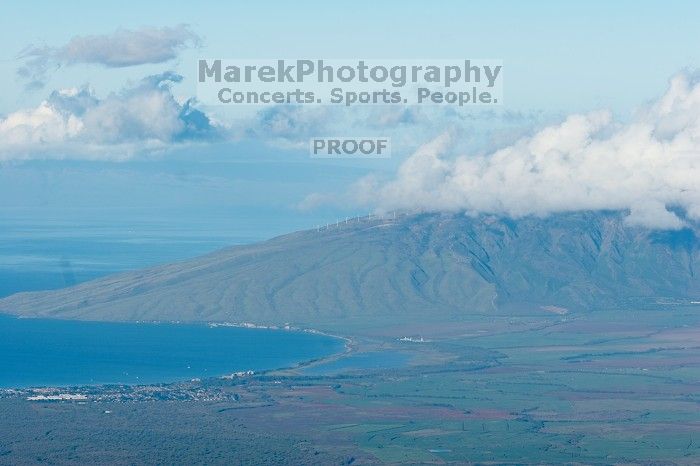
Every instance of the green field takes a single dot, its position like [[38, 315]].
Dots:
[[613, 387]]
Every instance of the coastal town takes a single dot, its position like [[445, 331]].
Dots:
[[194, 390]]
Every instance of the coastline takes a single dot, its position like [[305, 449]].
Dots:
[[244, 369]]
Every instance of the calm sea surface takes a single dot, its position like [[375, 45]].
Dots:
[[40, 352], [55, 254]]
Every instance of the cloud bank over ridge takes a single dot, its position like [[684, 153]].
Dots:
[[649, 166]]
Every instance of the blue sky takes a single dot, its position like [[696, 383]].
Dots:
[[560, 58], [560, 55]]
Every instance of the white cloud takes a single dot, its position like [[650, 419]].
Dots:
[[588, 162], [290, 125], [75, 123], [41, 125], [120, 49], [315, 200]]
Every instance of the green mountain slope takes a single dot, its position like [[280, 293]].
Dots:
[[425, 268]]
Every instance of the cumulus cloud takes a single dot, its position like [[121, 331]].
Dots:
[[648, 166], [391, 117], [122, 48], [76, 123], [290, 125]]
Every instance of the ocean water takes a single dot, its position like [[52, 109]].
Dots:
[[51, 254], [55, 253], [44, 352]]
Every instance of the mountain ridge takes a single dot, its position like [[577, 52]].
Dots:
[[417, 268]]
